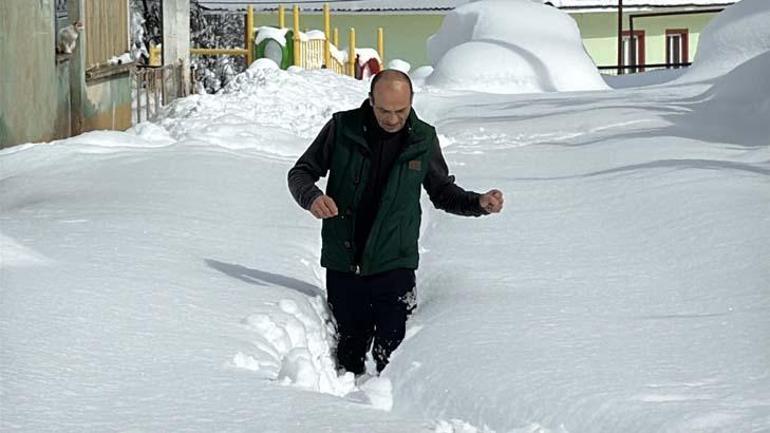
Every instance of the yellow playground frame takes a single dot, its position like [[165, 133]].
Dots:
[[308, 54]]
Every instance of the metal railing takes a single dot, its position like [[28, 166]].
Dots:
[[634, 69]]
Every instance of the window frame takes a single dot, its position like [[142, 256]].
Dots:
[[684, 34], [641, 55]]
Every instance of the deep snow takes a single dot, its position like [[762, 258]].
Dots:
[[163, 279]]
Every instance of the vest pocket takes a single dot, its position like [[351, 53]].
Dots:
[[333, 233]]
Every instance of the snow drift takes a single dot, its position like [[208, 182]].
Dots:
[[734, 57], [519, 46], [738, 101], [268, 106], [736, 35]]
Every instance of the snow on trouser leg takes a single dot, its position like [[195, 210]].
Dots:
[[369, 307], [392, 303], [349, 303]]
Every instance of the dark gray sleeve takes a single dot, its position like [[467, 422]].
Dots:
[[443, 192], [311, 166]]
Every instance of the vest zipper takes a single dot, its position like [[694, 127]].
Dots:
[[354, 216]]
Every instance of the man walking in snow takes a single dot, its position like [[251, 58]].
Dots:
[[377, 157]]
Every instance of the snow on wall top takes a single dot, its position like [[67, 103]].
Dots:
[[444, 5]]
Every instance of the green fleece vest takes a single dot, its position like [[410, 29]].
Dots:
[[392, 242]]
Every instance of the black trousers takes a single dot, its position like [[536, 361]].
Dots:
[[369, 309]]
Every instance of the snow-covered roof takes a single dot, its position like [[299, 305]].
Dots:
[[445, 5]]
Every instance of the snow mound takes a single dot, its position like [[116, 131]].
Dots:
[[268, 107], [295, 342], [420, 74], [294, 346], [264, 63], [510, 46], [399, 65], [738, 34], [142, 136], [738, 101]]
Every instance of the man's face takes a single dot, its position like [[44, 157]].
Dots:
[[392, 103]]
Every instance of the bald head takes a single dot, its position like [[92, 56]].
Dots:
[[391, 99], [389, 77]]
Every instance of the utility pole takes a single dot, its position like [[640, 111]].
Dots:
[[620, 37], [176, 46]]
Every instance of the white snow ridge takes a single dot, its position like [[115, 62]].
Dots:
[[296, 341], [294, 348]]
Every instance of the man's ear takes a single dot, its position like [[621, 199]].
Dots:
[[371, 99]]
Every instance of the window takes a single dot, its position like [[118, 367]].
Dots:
[[633, 51], [677, 48]]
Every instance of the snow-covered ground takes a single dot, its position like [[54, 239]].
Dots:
[[163, 279]]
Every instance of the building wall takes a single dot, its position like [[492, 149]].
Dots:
[[599, 32], [104, 103], [33, 88], [107, 104], [63, 125], [42, 100]]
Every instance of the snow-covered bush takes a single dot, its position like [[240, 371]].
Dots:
[[146, 26], [139, 51], [213, 30], [217, 30]]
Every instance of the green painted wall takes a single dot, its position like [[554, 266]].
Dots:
[[599, 31], [406, 35], [30, 81], [63, 124], [42, 100], [107, 104]]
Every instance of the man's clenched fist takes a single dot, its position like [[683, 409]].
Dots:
[[492, 201], [323, 207]]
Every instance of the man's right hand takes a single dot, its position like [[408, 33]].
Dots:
[[323, 207]]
